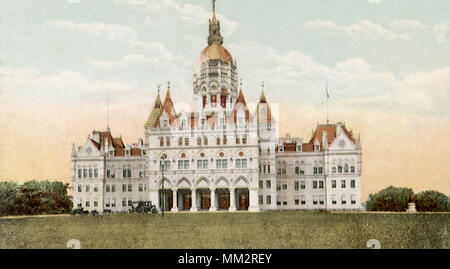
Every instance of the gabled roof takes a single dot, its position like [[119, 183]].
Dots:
[[241, 100], [159, 109], [331, 131]]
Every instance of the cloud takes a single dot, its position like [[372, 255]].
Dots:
[[189, 13], [31, 86], [364, 28], [110, 31], [442, 31], [407, 25], [351, 82]]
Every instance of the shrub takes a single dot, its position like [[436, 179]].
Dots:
[[432, 201], [390, 199]]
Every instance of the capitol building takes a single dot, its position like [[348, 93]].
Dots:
[[219, 157]]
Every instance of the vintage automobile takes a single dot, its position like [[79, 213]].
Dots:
[[144, 207]]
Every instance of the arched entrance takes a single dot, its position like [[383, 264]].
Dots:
[[243, 198], [223, 198], [166, 199]]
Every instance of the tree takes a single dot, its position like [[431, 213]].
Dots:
[[390, 199], [8, 198], [432, 201]]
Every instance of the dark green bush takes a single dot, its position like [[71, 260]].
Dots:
[[390, 199], [432, 201]]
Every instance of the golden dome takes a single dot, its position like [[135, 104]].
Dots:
[[215, 52]]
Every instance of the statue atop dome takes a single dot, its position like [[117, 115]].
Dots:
[[214, 28]]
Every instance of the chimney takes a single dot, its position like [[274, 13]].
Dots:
[[106, 144], [141, 142], [74, 153], [324, 140]]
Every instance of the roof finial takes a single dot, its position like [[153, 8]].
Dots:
[[159, 88], [240, 83], [214, 6], [262, 85], [168, 84]]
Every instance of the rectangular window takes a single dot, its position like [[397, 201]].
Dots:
[[352, 169], [343, 201], [268, 169], [268, 184], [296, 185], [90, 172], [333, 199], [268, 199], [278, 186], [124, 173], [180, 164], [297, 170], [315, 170], [84, 173], [186, 142], [95, 188], [95, 203], [346, 169], [352, 183], [186, 164], [315, 199], [199, 164], [87, 188], [224, 140], [296, 201], [284, 202], [218, 164], [141, 188], [107, 204], [218, 141], [314, 184], [113, 188], [108, 173], [88, 204], [113, 202], [79, 188], [284, 186], [130, 202], [96, 172], [129, 172], [353, 199], [302, 200], [108, 188], [333, 184], [321, 184], [321, 199], [79, 173], [302, 184], [261, 184], [343, 184], [320, 170], [238, 163], [124, 202], [205, 164], [130, 187], [224, 164], [261, 200], [124, 188], [244, 163]]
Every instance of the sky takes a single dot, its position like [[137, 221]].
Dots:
[[386, 64]]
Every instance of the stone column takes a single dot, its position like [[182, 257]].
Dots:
[[194, 200], [232, 201], [213, 200], [253, 200], [175, 201]]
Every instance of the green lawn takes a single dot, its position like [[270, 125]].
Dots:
[[286, 229]]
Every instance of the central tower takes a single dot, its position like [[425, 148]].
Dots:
[[215, 75]]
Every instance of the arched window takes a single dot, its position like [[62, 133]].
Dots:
[[161, 142], [180, 141], [168, 141], [205, 141]]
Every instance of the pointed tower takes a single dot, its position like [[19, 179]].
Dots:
[[154, 115]]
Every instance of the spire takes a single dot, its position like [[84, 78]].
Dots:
[[74, 152], [214, 28]]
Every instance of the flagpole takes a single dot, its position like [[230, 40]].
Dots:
[[327, 101]]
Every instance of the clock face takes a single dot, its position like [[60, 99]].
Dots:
[[342, 143]]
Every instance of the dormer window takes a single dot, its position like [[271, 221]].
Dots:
[[203, 122], [317, 148], [127, 152], [280, 148], [111, 153], [299, 148], [144, 152], [165, 123]]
